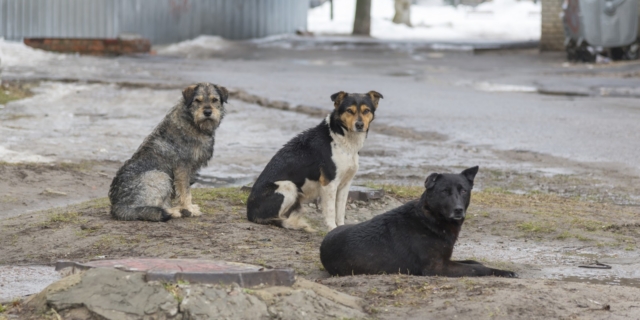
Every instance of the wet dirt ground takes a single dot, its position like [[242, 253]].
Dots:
[[543, 237], [539, 213]]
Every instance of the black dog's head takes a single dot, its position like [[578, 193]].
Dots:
[[355, 111], [204, 104], [449, 195]]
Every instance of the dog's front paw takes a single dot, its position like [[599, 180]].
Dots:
[[505, 274], [195, 210], [175, 212]]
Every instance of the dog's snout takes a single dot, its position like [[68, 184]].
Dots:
[[207, 112], [458, 213], [359, 125]]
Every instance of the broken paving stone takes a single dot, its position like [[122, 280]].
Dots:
[[307, 304], [107, 293], [115, 294], [358, 193], [326, 292], [215, 303]]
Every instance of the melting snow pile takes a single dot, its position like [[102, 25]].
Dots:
[[498, 20], [197, 47], [15, 54]]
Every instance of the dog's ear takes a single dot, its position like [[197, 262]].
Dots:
[[375, 97], [338, 97], [431, 180], [188, 93], [223, 93], [470, 173]]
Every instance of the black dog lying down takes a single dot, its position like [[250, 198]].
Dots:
[[416, 238]]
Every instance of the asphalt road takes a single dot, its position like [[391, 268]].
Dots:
[[482, 100]]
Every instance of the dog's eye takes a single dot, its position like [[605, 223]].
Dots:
[[351, 111], [463, 191], [214, 100], [198, 99], [366, 111]]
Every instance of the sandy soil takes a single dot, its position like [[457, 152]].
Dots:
[[29, 187], [528, 233]]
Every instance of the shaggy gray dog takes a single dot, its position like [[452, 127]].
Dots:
[[161, 170]]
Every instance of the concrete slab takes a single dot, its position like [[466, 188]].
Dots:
[[364, 193], [193, 271]]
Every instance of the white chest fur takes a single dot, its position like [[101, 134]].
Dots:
[[344, 150], [344, 153]]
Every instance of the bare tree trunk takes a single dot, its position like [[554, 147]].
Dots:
[[403, 12], [362, 23]]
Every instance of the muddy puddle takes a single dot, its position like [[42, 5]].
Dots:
[[614, 281], [608, 271]]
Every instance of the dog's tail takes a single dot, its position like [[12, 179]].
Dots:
[[155, 214], [296, 222]]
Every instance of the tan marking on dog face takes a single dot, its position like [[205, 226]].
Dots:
[[366, 115], [349, 117], [353, 114], [323, 179]]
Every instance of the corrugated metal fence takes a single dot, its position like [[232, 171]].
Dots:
[[161, 21]]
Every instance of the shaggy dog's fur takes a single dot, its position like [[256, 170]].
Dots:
[[162, 168]]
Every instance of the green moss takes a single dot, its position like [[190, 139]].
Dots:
[[65, 217], [100, 203], [234, 196], [402, 192], [174, 291], [536, 227], [10, 93]]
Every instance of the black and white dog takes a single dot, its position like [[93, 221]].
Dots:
[[319, 162]]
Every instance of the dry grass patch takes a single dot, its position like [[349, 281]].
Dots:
[[543, 214], [11, 91], [233, 196], [399, 191]]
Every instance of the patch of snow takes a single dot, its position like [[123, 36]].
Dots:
[[17, 54], [196, 47], [497, 87], [498, 20], [11, 156]]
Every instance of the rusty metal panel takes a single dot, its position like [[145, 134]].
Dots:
[[161, 21]]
